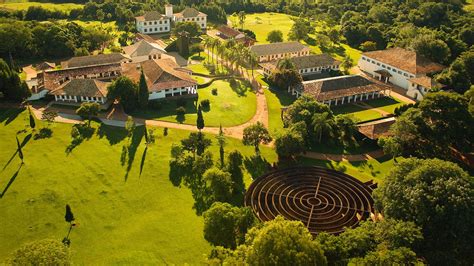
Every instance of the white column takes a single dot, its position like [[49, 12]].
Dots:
[[343, 98], [335, 102]]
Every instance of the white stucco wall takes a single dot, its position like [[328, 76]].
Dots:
[[399, 77], [154, 26]]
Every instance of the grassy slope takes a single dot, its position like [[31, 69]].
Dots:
[[145, 219], [230, 107], [51, 6], [263, 23]]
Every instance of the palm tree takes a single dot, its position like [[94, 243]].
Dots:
[[347, 126], [206, 42], [252, 60], [220, 52], [323, 123], [285, 64]]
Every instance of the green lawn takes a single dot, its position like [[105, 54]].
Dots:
[[387, 104], [139, 220], [359, 113], [66, 7], [374, 169], [263, 23], [233, 105], [275, 101]]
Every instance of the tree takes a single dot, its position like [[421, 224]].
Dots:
[[196, 143], [41, 252], [368, 46], [32, 119], [219, 186], [323, 124], [347, 63], [286, 74], [200, 119], [143, 93], [226, 225], [431, 47], [242, 17], [256, 134], [280, 242], [191, 29], [437, 196], [49, 116], [372, 238], [234, 167], [124, 90], [300, 30], [11, 85], [275, 36], [289, 144], [221, 141], [88, 111], [346, 128], [69, 218], [130, 126]]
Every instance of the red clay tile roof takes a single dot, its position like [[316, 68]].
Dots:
[[143, 48], [426, 82], [189, 12], [229, 32], [45, 66], [151, 15], [278, 48], [93, 60], [405, 60], [82, 87], [337, 87], [160, 74], [308, 61], [377, 129]]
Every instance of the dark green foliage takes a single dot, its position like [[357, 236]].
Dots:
[[300, 30], [196, 143], [226, 225], [69, 217], [218, 186], [460, 75], [10, 84], [205, 104], [256, 134], [289, 144], [200, 119], [214, 91], [426, 131], [180, 111], [388, 237], [31, 118], [234, 167], [275, 36], [286, 75], [124, 90], [437, 196], [143, 93], [88, 111], [192, 29]]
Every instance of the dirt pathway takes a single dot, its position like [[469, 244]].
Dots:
[[344, 157]]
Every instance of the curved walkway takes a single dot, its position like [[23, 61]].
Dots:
[[344, 157]]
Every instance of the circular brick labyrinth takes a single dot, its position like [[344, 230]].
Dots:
[[324, 200]]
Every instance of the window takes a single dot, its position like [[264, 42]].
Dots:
[[378, 64], [145, 30], [156, 29], [383, 66], [156, 22], [161, 29], [405, 74], [399, 72], [166, 28], [389, 68]]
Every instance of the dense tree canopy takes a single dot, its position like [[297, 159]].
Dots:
[[41, 252], [437, 196]]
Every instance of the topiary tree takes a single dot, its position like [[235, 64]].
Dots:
[[200, 119], [275, 36], [41, 252]]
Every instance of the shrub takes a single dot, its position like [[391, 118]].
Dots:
[[157, 105], [180, 110], [205, 104], [181, 103], [214, 91]]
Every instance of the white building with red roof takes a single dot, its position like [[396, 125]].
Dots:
[[401, 67]]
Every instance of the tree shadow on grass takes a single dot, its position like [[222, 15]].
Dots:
[[10, 114], [239, 87], [142, 163], [79, 133], [129, 150], [12, 179], [175, 174], [257, 165], [113, 134], [43, 133], [23, 143]]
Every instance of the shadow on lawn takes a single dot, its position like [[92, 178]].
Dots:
[[23, 143], [240, 87], [257, 165], [79, 133], [113, 134], [10, 114], [12, 179], [129, 150]]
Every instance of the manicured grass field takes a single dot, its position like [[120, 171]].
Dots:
[[263, 23], [375, 169], [233, 105], [134, 220], [386, 104], [66, 7], [359, 113], [275, 101]]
